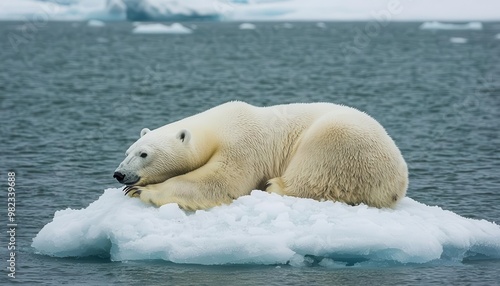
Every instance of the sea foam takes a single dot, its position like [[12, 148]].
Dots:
[[269, 229]]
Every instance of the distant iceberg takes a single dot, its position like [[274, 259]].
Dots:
[[458, 40], [449, 26], [161, 10], [497, 36], [175, 28], [247, 26], [95, 23], [268, 229], [321, 25], [243, 10]]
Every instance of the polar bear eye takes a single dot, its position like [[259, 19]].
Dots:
[[144, 155]]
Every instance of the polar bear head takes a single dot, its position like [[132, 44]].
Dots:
[[155, 157]]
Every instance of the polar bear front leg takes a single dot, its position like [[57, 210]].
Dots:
[[189, 195], [200, 189]]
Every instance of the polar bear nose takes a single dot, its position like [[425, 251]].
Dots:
[[119, 176]]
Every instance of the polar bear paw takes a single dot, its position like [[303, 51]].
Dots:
[[132, 191], [276, 186]]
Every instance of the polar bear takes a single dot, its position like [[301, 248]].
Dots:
[[322, 151]]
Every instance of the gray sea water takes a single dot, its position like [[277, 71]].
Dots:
[[73, 98]]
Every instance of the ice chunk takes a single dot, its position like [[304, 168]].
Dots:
[[247, 26], [321, 25], [95, 23], [264, 228], [175, 28], [458, 40], [449, 26]]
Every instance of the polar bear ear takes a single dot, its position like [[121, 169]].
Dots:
[[184, 135], [144, 131]]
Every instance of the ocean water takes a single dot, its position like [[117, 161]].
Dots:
[[74, 97]]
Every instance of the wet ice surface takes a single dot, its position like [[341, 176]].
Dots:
[[266, 229]]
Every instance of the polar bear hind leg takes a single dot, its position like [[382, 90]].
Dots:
[[345, 156]]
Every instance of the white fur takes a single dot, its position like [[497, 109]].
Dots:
[[319, 151]]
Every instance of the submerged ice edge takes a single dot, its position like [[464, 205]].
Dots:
[[267, 229]]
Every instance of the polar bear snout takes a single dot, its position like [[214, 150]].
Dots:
[[126, 179], [119, 176]]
